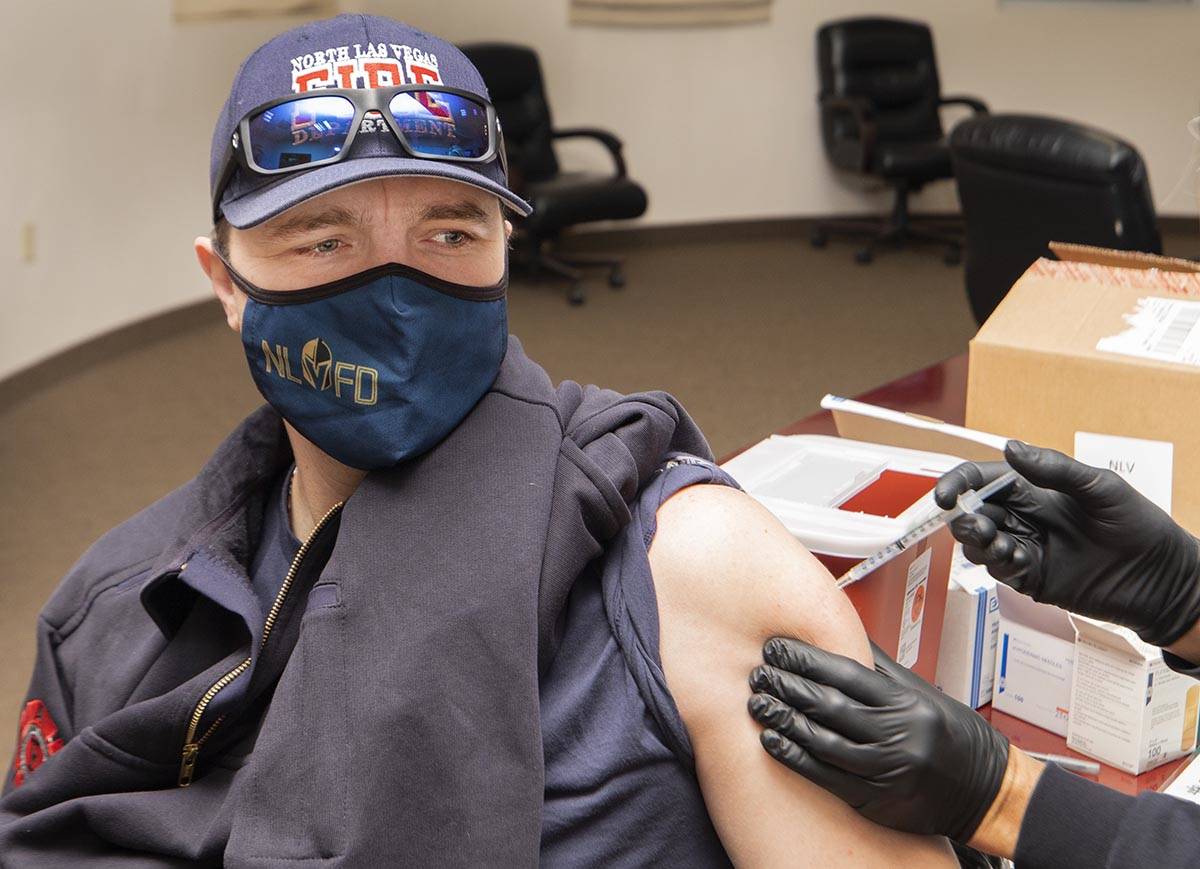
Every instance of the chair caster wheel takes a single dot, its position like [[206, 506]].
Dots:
[[616, 279], [953, 257], [575, 296], [863, 257], [818, 238]]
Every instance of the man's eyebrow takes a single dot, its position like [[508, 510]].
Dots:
[[461, 210], [333, 216]]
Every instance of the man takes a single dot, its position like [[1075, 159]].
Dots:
[[407, 614], [909, 757]]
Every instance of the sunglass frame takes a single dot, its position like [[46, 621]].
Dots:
[[364, 100]]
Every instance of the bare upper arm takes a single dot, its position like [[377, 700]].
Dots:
[[728, 576]]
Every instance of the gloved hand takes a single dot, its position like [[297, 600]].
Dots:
[[1080, 538], [884, 740]]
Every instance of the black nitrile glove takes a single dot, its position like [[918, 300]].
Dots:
[[884, 740], [1080, 538]]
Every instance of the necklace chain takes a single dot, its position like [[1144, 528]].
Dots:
[[291, 498]]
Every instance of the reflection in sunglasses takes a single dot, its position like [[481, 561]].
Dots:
[[316, 128]]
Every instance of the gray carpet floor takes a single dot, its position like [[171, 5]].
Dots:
[[748, 331]]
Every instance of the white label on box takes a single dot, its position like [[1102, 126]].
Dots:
[[913, 614], [1110, 692], [1033, 676], [1163, 329], [1145, 465], [1127, 708]]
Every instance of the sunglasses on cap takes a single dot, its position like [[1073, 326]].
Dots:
[[303, 131]]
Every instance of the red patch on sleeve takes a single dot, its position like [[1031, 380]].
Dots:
[[37, 739]]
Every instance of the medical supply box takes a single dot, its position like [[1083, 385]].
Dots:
[[1128, 708], [1035, 661], [845, 500], [1097, 354], [967, 659]]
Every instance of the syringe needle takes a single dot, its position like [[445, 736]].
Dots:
[[968, 502]]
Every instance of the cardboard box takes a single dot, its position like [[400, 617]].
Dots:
[[967, 658], [1067, 362], [1035, 660], [1128, 708]]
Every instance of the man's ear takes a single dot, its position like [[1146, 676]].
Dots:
[[232, 300]]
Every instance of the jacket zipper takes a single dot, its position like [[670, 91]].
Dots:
[[192, 745]]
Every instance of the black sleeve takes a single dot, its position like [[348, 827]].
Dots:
[[1072, 821], [1179, 665]]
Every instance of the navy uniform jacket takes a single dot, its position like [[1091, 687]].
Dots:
[[387, 709]]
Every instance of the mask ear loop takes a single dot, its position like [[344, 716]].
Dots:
[[253, 291]]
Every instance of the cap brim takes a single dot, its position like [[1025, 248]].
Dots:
[[256, 206]]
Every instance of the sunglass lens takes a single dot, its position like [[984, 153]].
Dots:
[[306, 130], [438, 124]]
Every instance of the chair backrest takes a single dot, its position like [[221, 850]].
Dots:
[[1025, 181], [888, 63], [514, 81]]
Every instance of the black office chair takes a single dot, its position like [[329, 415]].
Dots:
[[560, 199], [1024, 181], [880, 103]]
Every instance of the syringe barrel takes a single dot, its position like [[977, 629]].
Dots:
[[969, 501]]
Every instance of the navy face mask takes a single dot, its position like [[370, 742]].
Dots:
[[377, 367]]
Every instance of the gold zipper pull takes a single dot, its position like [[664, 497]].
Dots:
[[188, 768]]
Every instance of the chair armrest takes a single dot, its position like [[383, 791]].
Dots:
[[859, 109], [979, 107], [611, 142]]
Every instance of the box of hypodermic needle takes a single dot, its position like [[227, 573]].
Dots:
[[1128, 708], [967, 659], [1035, 661]]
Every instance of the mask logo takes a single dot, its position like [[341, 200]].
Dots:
[[317, 364], [357, 383]]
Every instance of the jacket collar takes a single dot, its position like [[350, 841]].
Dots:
[[218, 514]]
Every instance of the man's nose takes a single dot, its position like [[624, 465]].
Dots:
[[393, 247]]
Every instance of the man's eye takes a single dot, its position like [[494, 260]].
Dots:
[[454, 237], [329, 245]]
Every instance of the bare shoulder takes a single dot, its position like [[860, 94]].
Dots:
[[728, 576], [724, 559]]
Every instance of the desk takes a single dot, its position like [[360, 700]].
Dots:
[[940, 391]]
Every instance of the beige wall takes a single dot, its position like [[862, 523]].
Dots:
[[113, 226]]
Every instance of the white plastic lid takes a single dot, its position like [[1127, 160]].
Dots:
[[802, 479]]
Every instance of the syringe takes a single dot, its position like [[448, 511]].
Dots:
[[968, 502]]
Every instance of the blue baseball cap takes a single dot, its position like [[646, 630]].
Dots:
[[346, 51]]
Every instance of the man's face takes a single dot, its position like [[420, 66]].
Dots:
[[450, 230]]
